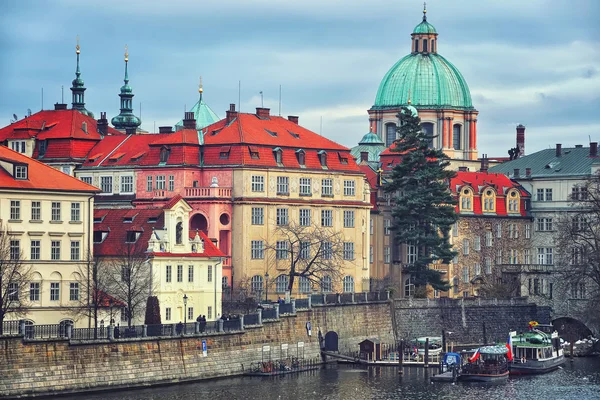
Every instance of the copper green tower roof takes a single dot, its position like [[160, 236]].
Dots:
[[371, 144], [425, 77], [126, 120], [78, 88], [203, 114]]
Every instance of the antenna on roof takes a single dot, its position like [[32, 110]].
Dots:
[[280, 100], [239, 96], [15, 117], [590, 138], [62, 94], [29, 112], [42, 99], [262, 103]]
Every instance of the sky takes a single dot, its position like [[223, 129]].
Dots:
[[534, 62]]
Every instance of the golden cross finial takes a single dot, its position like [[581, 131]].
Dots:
[[424, 7], [200, 86], [77, 47], [409, 97], [126, 53]]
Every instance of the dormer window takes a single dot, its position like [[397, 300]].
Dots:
[[18, 146], [224, 152], [323, 158], [164, 155], [343, 158], [489, 200], [301, 156], [132, 236], [42, 147], [278, 153], [253, 152], [100, 236], [466, 200], [20, 172], [513, 199], [128, 220]]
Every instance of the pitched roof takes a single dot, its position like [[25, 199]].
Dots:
[[203, 115], [39, 175], [573, 161]]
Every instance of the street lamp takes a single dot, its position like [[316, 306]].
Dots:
[[266, 287], [184, 312]]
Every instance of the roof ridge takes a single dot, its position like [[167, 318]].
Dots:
[[115, 149]]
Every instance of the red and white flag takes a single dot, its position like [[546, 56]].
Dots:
[[474, 357], [509, 354]]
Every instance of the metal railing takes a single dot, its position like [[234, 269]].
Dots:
[[269, 313], [89, 333], [252, 319], [232, 325], [45, 331], [286, 308], [302, 304], [317, 299]]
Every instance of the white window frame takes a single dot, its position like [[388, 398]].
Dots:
[[160, 182], [257, 250], [282, 248], [283, 185], [75, 212], [282, 216], [75, 250], [348, 218], [349, 188], [327, 187], [305, 188], [126, 182], [105, 182], [305, 217], [15, 210], [349, 251], [258, 216], [55, 250], [327, 218], [54, 291], [258, 183]]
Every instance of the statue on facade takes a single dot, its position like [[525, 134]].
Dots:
[[179, 233]]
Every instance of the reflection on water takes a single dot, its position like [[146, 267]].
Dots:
[[578, 380]]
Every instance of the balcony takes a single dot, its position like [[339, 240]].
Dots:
[[208, 192], [528, 268]]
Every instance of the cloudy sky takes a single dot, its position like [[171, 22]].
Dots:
[[535, 62]]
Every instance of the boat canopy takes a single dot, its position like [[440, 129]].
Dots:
[[432, 339]]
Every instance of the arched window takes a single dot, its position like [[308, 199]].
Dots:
[[323, 158], [301, 155], [62, 327], [456, 137], [513, 199], [326, 285], [304, 285], [409, 287], [277, 152], [432, 48], [425, 45], [179, 233], [281, 283], [257, 284], [417, 45], [428, 130], [466, 200], [489, 200], [390, 134], [348, 284]]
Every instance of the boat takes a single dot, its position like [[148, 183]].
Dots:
[[536, 351], [485, 364], [435, 345]]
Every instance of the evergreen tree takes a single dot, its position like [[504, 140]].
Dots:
[[152, 311], [423, 210]]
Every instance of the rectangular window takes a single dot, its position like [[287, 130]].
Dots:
[[168, 274], [477, 269], [371, 226], [15, 210], [257, 249], [35, 249], [411, 253], [545, 256], [13, 292], [488, 265], [282, 249], [209, 312], [348, 219], [545, 224], [106, 184], [327, 187], [349, 189], [190, 312], [326, 217], [180, 273], [455, 229], [282, 216], [55, 250], [371, 254], [348, 250], [36, 210], [499, 230], [190, 273], [499, 257], [465, 247], [86, 179], [513, 256], [258, 216], [54, 291], [258, 183], [327, 250], [387, 255], [579, 193], [305, 219], [149, 184], [387, 226], [488, 239], [74, 291], [305, 187], [20, 172], [540, 195], [477, 243], [172, 184], [75, 212], [465, 274], [15, 251], [34, 291], [526, 256], [210, 274], [304, 250], [55, 211], [168, 314], [283, 186], [75, 250], [160, 182], [548, 195], [527, 231]]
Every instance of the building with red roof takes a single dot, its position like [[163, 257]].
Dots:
[[47, 216]]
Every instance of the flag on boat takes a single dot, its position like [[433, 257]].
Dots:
[[509, 354], [475, 356]]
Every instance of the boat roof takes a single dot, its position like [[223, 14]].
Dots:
[[490, 350], [431, 339]]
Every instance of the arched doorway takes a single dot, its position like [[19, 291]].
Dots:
[[331, 341], [199, 222], [571, 329]]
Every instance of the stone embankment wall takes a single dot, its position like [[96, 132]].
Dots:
[[465, 321], [53, 367]]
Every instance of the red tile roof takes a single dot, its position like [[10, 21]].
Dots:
[[39, 175], [479, 181]]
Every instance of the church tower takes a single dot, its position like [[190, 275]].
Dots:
[[126, 120], [78, 88]]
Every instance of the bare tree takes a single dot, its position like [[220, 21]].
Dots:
[[129, 278], [310, 252], [15, 277], [243, 299]]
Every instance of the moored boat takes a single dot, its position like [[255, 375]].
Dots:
[[486, 364], [535, 352], [435, 345]]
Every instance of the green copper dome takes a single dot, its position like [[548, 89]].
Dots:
[[371, 144], [371, 138], [424, 27], [428, 79]]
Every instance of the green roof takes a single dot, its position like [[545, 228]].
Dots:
[[573, 161], [428, 80], [370, 143], [424, 27], [203, 114]]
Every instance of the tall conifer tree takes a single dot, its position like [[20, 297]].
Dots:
[[423, 208]]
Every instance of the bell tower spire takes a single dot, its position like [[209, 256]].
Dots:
[[126, 120], [78, 88]]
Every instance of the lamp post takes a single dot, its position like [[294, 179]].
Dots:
[[266, 287], [185, 298]]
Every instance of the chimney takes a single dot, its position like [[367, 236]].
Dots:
[[578, 146], [517, 173], [463, 169], [293, 118], [263, 112], [130, 131], [521, 140], [231, 114], [102, 124], [484, 163], [527, 172], [364, 156], [165, 129], [594, 149], [558, 149], [60, 106], [189, 122]]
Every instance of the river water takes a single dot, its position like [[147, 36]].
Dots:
[[579, 380]]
